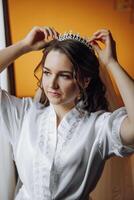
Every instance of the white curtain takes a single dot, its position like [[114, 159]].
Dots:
[[7, 170]]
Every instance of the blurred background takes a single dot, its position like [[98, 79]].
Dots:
[[84, 17]]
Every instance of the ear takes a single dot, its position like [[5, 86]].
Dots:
[[86, 82]]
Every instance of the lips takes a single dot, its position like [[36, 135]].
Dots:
[[56, 95], [53, 92]]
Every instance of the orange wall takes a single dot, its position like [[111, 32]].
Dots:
[[84, 17]]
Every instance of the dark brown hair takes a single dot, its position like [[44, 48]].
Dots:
[[86, 65]]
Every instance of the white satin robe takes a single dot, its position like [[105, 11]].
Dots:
[[63, 163]]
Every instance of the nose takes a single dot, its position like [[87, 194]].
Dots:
[[54, 83]]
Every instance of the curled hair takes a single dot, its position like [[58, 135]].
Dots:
[[86, 66]]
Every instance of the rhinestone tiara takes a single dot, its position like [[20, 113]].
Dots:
[[77, 37]]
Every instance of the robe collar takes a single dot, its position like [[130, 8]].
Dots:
[[69, 118]]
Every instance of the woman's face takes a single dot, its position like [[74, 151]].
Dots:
[[58, 83]]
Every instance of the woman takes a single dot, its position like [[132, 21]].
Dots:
[[62, 138]]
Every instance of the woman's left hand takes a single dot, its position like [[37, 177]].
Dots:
[[107, 54]]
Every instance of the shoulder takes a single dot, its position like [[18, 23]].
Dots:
[[98, 116], [101, 119], [5, 97], [12, 106], [103, 115]]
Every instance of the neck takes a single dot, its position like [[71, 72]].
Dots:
[[61, 110]]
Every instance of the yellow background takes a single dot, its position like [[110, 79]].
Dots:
[[84, 17]]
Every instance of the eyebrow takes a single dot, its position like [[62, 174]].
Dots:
[[62, 71]]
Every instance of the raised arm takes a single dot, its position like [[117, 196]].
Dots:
[[125, 83], [35, 40]]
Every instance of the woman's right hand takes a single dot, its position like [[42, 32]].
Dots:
[[38, 37], [34, 40]]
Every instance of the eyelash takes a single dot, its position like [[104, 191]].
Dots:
[[65, 76], [45, 72]]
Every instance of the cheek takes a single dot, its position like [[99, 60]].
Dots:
[[44, 84], [72, 89]]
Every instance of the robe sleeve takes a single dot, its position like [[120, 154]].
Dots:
[[12, 113], [108, 130]]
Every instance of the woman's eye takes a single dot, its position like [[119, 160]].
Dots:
[[46, 73], [66, 76]]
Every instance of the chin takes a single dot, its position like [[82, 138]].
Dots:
[[55, 102]]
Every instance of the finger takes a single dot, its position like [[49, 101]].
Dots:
[[91, 39], [101, 31], [40, 45], [50, 33], [56, 34], [103, 37], [96, 39], [45, 31], [95, 46], [106, 38]]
